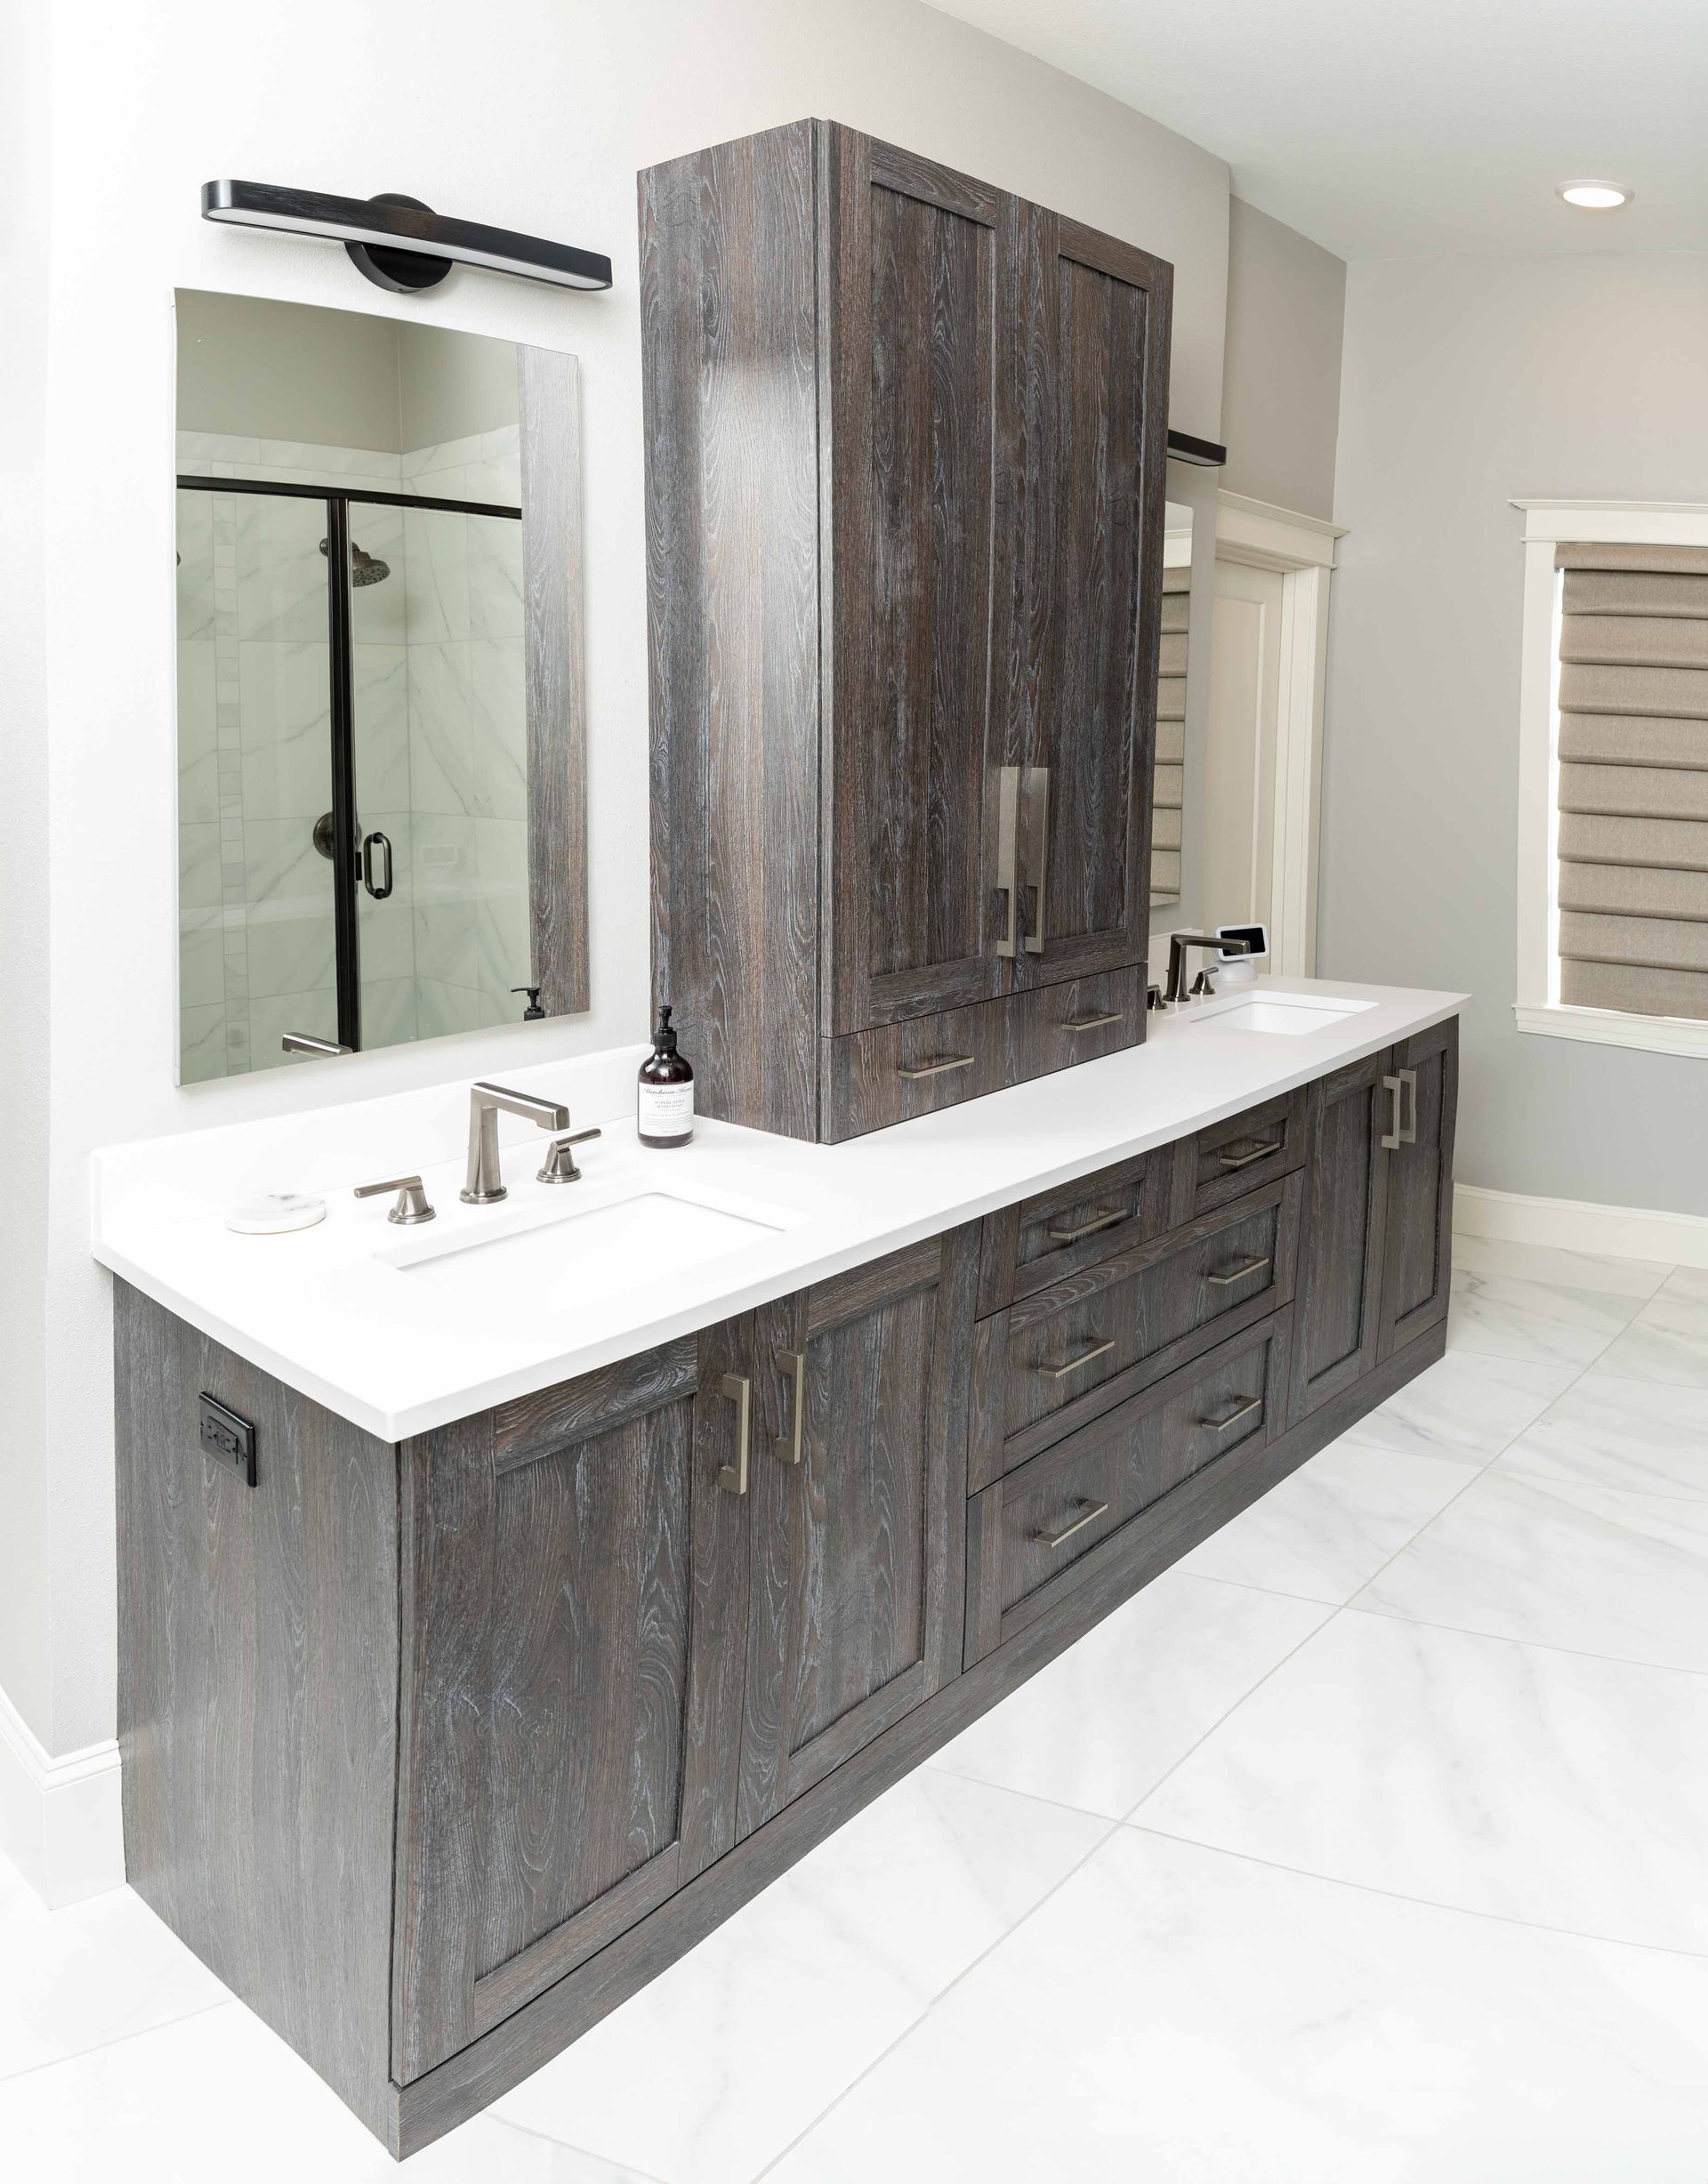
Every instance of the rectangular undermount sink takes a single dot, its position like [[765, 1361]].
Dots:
[[553, 1257], [1290, 1016]]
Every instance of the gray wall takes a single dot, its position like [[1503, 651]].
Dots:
[[1281, 369], [1469, 383], [450, 385]]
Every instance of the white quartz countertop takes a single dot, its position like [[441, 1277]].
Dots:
[[401, 1330]]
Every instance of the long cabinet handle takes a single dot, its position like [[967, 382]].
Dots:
[[1408, 1086], [937, 1068], [793, 1362], [733, 1476], [1393, 1138], [1085, 1357], [1245, 1151], [1232, 1418], [1231, 1275], [1092, 1023], [1087, 1227], [1090, 1512]]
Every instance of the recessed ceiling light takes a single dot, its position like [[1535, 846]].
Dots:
[[1594, 197]]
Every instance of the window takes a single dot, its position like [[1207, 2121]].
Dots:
[[1612, 921]]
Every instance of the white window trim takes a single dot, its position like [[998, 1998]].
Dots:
[[1538, 1007]]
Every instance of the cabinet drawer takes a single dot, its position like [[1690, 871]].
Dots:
[[1224, 1161], [1032, 1534], [894, 1072], [1049, 1362], [1043, 1240]]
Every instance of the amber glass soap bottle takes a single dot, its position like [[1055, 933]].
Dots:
[[665, 1101]]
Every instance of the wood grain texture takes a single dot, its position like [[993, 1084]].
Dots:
[[1173, 1527], [730, 357], [1222, 1163], [1338, 1322], [258, 1672], [531, 1426], [548, 388], [1026, 1247], [1417, 1271], [856, 1590]]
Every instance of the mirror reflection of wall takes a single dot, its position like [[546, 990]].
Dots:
[[1169, 774], [374, 735]]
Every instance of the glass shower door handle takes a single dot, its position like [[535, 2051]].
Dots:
[[377, 866]]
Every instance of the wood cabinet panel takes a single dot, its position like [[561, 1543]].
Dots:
[[1026, 1247], [570, 1722], [1337, 1322], [1417, 1267], [1217, 1166], [858, 1514]]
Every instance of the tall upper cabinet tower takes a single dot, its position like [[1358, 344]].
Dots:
[[905, 440]]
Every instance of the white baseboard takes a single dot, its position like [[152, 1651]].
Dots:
[[59, 1818], [1575, 1224]]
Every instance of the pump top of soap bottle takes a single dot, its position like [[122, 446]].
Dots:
[[664, 1040]]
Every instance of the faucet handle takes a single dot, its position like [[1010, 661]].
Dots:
[[412, 1204], [561, 1161]]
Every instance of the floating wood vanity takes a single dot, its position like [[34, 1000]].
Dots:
[[435, 1750]]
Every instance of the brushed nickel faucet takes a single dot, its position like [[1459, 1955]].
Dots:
[[485, 1183], [1178, 945]]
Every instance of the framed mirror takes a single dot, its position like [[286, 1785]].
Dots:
[[380, 812]]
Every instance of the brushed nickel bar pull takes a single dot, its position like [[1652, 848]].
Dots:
[[1237, 1274], [1090, 1512], [1392, 1140], [1035, 857], [1060, 1372], [733, 1476], [1093, 1023], [1087, 1227], [1245, 1151], [793, 1362], [1008, 855], [1408, 1086], [1233, 1417], [937, 1068]]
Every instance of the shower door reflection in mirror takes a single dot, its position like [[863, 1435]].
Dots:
[[381, 811]]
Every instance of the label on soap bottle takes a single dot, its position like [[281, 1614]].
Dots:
[[666, 1111]]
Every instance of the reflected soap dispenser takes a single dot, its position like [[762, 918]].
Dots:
[[665, 1101]]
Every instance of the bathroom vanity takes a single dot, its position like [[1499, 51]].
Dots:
[[571, 1588]]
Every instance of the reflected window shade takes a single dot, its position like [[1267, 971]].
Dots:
[[1169, 776], [1633, 779]]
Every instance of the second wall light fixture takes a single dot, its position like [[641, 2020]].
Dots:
[[398, 242]]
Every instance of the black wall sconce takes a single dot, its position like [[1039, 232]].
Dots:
[[1208, 455], [398, 242]]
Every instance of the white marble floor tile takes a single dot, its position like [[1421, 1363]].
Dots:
[[218, 2096], [1329, 1528], [1551, 1788], [1463, 1407], [1558, 1564], [1544, 1323], [97, 1970], [1667, 1342], [1645, 1437], [708, 2073], [1689, 1283], [1176, 2016], [1105, 1721], [1560, 1269]]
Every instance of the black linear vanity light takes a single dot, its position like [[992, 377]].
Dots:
[[398, 242], [1207, 453]]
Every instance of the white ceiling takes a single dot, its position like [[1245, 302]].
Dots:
[[1403, 128]]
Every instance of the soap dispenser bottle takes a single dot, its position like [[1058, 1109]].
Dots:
[[665, 1101]]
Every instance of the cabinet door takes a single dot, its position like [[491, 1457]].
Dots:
[[1337, 1322], [919, 290], [1081, 673], [858, 1513], [574, 1621], [1417, 1261]]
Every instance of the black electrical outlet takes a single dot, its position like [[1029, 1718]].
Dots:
[[228, 1436]]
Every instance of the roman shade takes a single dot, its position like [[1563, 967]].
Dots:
[[1169, 776], [1633, 779]]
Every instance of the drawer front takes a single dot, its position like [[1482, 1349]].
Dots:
[[894, 1072], [1049, 1363], [1219, 1163], [1030, 1531], [1060, 1232]]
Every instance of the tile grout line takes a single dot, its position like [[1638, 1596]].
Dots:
[[1423, 1903], [1531, 1645], [119, 2040]]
